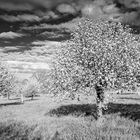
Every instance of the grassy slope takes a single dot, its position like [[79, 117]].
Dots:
[[70, 123], [40, 105]]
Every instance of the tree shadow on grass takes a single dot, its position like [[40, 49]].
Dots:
[[131, 111], [30, 99], [16, 101], [17, 98], [11, 103], [74, 109], [130, 98], [127, 93]]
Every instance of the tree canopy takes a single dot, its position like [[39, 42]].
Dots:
[[98, 49]]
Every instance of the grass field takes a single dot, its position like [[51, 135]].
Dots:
[[51, 118]]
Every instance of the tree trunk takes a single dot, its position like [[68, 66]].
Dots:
[[8, 96], [22, 98], [99, 100], [32, 97], [100, 109]]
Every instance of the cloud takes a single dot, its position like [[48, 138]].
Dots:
[[41, 5], [27, 66], [131, 18], [50, 15], [91, 10], [14, 48], [29, 4], [43, 9], [99, 8], [15, 7], [71, 25], [130, 3], [44, 43], [107, 9], [20, 18], [49, 4], [131, 11], [66, 8], [110, 9], [10, 48], [10, 35]]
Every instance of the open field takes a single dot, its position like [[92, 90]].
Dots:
[[37, 108], [48, 116]]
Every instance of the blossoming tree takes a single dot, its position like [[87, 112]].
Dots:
[[6, 81], [101, 54]]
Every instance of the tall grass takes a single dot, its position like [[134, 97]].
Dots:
[[70, 128]]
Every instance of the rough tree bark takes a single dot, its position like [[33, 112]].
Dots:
[[99, 87], [99, 100]]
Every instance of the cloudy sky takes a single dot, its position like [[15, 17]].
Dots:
[[23, 22]]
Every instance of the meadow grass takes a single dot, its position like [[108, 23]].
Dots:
[[47, 118]]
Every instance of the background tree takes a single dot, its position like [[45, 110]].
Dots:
[[101, 54], [42, 78], [6, 81], [32, 88]]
